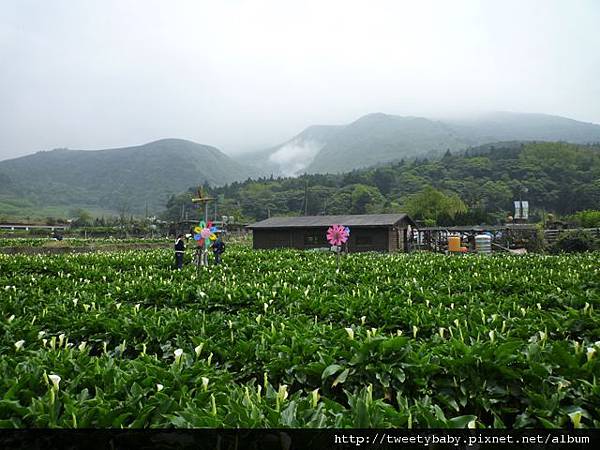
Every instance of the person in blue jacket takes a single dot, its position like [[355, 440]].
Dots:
[[218, 249]]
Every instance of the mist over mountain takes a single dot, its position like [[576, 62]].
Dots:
[[114, 180], [379, 138], [293, 156]]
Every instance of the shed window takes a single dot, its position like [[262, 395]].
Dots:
[[364, 240], [314, 238]]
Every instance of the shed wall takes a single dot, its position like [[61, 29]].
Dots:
[[362, 239], [267, 238], [368, 239]]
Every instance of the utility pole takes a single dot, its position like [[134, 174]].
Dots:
[[305, 197]]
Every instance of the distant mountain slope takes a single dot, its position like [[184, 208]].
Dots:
[[379, 138], [500, 126], [293, 156], [117, 179]]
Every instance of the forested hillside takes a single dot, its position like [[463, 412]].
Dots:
[[119, 181], [474, 187]]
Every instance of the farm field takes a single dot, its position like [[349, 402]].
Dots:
[[281, 339]]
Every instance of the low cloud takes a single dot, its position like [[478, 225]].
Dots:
[[296, 155]]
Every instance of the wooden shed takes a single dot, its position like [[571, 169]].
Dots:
[[368, 232]]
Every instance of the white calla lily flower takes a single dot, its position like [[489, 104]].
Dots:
[[350, 332], [55, 381]]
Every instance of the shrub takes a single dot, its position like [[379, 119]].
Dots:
[[574, 242], [586, 219]]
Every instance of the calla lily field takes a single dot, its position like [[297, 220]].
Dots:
[[284, 338]]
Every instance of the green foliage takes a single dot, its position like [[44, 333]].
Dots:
[[586, 219], [82, 218], [575, 241], [176, 205], [356, 199], [486, 180], [280, 339], [431, 204], [366, 199]]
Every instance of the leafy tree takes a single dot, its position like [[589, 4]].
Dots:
[[175, 206], [319, 198], [366, 199], [497, 194], [82, 218], [383, 179], [432, 204], [341, 201]]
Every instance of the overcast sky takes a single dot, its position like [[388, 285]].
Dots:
[[243, 75]]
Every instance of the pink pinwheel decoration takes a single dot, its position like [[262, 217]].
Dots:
[[337, 235], [205, 233]]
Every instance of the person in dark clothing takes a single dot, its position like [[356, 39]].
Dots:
[[218, 249], [179, 251]]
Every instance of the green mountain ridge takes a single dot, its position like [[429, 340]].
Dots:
[[121, 180], [380, 138], [498, 126]]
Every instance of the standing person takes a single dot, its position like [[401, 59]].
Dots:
[[179, 251], [218, 249], [204, 257]]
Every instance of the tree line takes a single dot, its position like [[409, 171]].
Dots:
[[475, 186]]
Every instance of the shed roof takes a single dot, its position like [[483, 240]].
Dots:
[[364, 220]]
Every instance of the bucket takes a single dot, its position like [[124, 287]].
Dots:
[[454, 243]]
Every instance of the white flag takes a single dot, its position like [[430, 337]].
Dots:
[[525, 210]]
